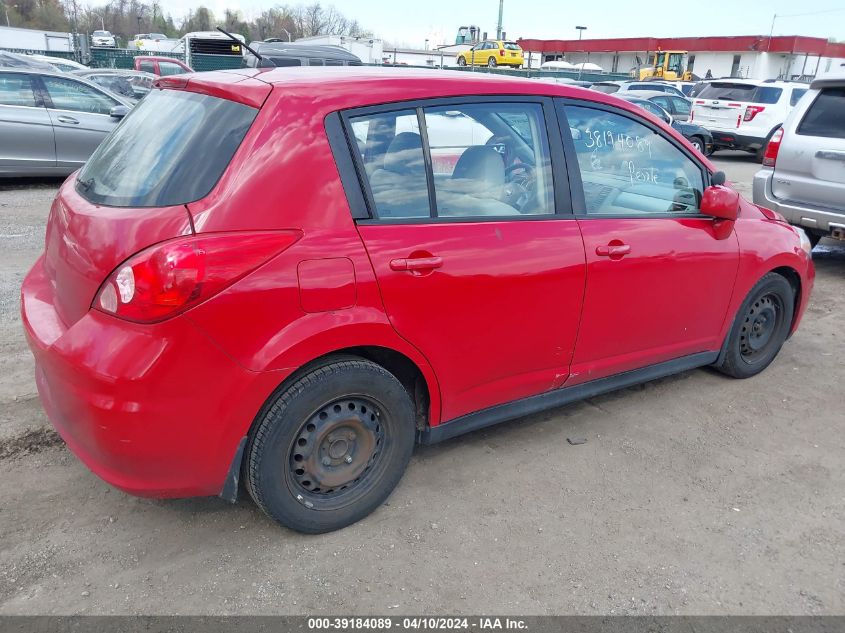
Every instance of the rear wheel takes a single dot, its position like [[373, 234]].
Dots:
[[491, 63], [331, 447], [760, 328], [462, 61]]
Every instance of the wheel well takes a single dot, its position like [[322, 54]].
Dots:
[[405, 370], [794, 279]]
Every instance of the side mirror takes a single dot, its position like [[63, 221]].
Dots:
[[119, 111], [720, 202]]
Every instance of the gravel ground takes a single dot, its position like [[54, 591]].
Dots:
[[695, 494]]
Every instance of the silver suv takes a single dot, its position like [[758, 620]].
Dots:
[[803, 176]]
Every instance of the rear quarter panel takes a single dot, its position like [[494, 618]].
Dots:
[[284, 177]]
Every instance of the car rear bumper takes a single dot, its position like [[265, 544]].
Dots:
[[155, 410], [811, 217], [732, 140]]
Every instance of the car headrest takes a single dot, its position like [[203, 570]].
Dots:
[[404, 155], [482, 164]]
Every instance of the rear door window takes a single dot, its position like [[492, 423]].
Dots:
[[75, 96], [485, 159], [826, 115], [169, 68], [797, 93], [171, 149], [16, 90]]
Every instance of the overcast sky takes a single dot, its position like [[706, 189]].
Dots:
[[411, 22]]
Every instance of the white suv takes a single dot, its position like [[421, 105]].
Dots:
[[744, 113], [103, 39]]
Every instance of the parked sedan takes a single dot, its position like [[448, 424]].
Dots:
[[189, 337], [678, 107], [51, 122], [700, 138], [60, 63], [103, 39], [131, 84]]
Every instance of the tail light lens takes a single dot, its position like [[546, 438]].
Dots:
[[772, 149], [692, 115], [752, 111], [501, 52], [169, 278]]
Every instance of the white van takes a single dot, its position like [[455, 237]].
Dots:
[[744, 113]]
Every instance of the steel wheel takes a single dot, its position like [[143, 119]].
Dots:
[[337, 449], [762, 320]]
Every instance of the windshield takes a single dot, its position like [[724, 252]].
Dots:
[[102, 33], [606, 88], [749, 93], [171, 149]]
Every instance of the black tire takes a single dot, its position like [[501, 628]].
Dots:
[[331, 447], [491, 63], [462, 61], [698, 143], [814, 237], [760, 328]]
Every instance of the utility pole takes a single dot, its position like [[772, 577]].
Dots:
[[581, 30], [499, 24]]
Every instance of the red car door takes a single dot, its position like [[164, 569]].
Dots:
[[479, 266], [659, 274]]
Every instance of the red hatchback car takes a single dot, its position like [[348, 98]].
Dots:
[[290, 276]]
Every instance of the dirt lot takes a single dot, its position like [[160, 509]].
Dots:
[[695, 494]]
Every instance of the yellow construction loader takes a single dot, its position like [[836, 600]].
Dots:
[[668, 65]]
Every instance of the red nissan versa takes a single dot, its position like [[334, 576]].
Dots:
[[289, 276]]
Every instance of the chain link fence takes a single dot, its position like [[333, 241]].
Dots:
[[125, 58]]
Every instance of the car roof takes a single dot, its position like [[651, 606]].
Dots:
[[835, 81], [648, 94]]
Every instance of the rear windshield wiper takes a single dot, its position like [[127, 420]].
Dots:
[[86, 184]]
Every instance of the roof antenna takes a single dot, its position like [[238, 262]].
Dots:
[[244, 44]]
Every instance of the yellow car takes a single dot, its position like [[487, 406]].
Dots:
[[492, 53]]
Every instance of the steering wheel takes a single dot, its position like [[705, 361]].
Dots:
[[520, 189]]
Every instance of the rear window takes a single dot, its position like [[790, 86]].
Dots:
[[826, 117], [171, 149], [512, 46], [796, 96], [606, 88], [748, 93]]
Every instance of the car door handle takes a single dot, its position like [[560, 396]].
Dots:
[[830, 155], [416, 263], [68, 119], [614, 251]]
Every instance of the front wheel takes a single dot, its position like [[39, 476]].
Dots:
[[698, 144], [760, 328], [331, 447]]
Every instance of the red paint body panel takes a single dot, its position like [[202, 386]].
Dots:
[[668, 297], [499, 319], [86, 242]]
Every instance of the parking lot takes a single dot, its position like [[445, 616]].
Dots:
[[695, 494]]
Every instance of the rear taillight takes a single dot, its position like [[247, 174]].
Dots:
[[752, 111], [692, 115], [501, 53], [169, 278], [772, 149]]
